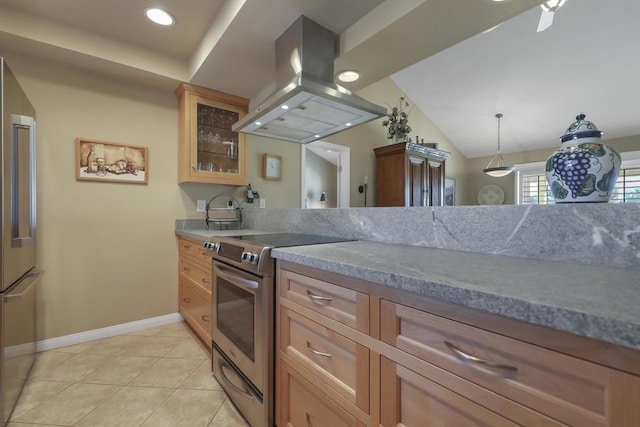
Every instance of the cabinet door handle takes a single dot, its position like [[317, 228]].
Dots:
[[205, 318], [205, 280], [186, 269], [186, 246], [316, 352], [308, 420], [187, 300], [318, 297], [193, 167], [473, 359]]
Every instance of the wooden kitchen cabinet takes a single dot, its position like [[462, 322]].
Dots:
[[301, 404], [194, 287], [410, 399], [430, 363], [319, 324], [409, 174], [571, 390], [208, 150]]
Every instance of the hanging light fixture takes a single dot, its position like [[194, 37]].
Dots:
[[549, 8], [499, 169]]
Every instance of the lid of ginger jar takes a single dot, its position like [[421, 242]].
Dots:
[[580, 129]]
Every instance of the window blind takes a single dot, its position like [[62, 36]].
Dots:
[[534, 189]]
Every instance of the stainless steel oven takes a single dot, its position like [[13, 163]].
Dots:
[[242, 327], [242, 331]]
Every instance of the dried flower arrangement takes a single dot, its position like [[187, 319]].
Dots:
[[398, 123]]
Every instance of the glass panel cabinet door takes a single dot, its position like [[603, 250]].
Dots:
[[209, 151]]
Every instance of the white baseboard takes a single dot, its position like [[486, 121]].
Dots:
[[110, 331]]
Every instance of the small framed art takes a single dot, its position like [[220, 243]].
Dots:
[[271, 167], [111, 162]]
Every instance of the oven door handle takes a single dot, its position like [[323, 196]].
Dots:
[[228, 275]]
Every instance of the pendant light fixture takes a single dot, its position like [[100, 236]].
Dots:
[[499, 169]]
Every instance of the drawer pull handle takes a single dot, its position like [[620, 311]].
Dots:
[[205, 317], [186, 268], [318, 297], [308, 420], [186, 246], [205, 280], [316, 352], [228, 382], [187, 300], [470, 358]]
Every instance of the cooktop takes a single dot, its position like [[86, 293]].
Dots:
[[279, 240]]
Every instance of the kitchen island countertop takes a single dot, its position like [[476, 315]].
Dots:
[[592, 301]]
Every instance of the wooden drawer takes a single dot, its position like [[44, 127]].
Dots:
[[194, 303], [347, 306], [569, 389], [301, 404], [193, 250], [196, 273], [187, 247], [411, 400], [336, 360]]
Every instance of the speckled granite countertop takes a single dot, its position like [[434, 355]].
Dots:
[[205, 235], [592, 301]]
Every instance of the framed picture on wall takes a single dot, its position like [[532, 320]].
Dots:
[[449, 191], [111, 162], [271, 167]]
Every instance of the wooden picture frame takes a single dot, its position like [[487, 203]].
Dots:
[[271, 167], [449, 191], [111, 162]]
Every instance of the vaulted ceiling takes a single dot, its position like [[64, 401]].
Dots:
[[434, 50]]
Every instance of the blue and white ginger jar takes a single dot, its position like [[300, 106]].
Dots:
[[582, 170]]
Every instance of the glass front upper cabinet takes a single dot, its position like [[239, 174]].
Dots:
[[209, 151]]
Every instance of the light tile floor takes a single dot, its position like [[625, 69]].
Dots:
[[152, 378]]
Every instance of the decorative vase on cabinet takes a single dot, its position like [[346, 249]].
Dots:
[[583, 169], [208, 150]]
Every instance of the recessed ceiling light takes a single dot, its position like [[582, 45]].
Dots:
[[347, 124], [258, 123], [348, 76], [159, 16], [284, 106]]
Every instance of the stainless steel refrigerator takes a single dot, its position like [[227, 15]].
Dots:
[[18, 274]]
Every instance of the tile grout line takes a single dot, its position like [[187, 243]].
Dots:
[[188, 352], [99, 405]]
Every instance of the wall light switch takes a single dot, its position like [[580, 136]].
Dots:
[[201, 206], [263, 203]]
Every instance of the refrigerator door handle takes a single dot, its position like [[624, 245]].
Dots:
[[23, 285], [23, 180]]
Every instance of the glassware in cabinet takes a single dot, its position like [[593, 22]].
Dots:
[[209, 151]]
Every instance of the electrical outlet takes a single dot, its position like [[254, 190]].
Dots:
[[201, 206], [263, 203]]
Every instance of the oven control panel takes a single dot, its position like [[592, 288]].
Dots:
[[212, 246], [253, 258], [250, 257]]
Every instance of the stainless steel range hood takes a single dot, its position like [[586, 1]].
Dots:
[[309, 105]]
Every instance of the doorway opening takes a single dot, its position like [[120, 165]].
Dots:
[[325, 169]]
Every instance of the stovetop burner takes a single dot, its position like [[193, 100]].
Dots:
[[279, 240]]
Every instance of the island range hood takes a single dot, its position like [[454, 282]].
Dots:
[[309, 105]]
